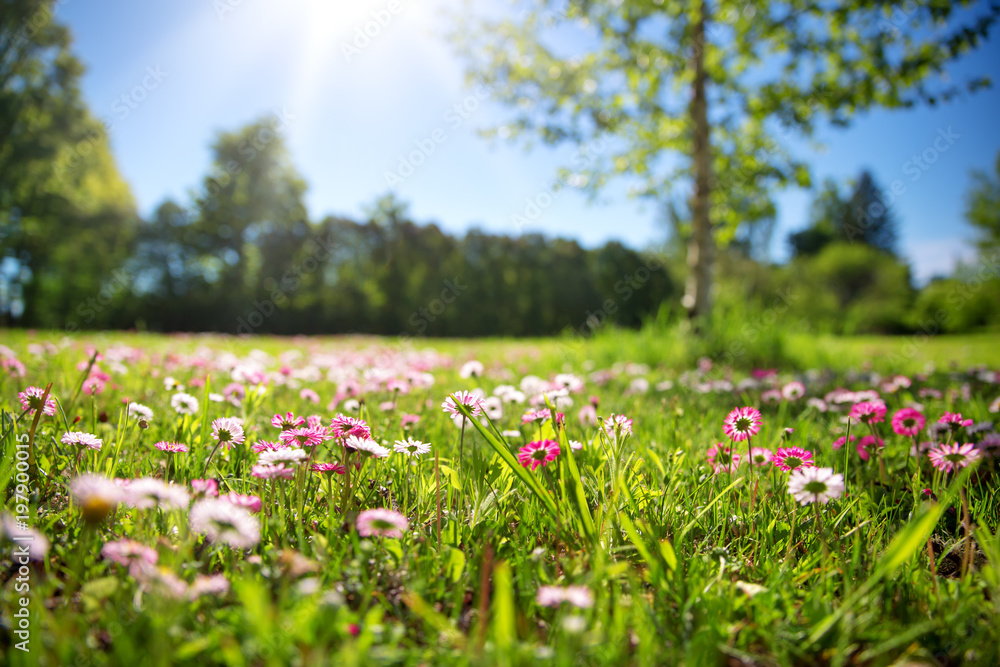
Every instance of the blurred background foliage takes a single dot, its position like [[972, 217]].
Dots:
[[242, 254]]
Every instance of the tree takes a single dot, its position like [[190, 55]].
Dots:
[[982, 207], [867, 218], [66, 215], [634, 83], [826, 214]]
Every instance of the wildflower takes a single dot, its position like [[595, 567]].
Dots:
[[31, 400], [249, 502], [26, 541], [867, 445], [93, 386], [588, 415], [908, 422], [328, 467], [995, 405], [722, 458], [815, 485], [125, 552], [493, 407], [265, 446], [538, 453], [286, 421], [309, 395], [511, 433], [304, 437], [553, 596], [760, 456], [471, 369], [228, 431], [171, 447], [742, 423], [817, 403], [289, 455], [868, 412], [149, 492], [575, 445], [411, 447], [267, 471], [354, 443], [206, 487], [792, 458], [159, 579], [222, 521], [213, 585], [345, 425], [954, 420], [382, 523], [770, 396], [617, 424], [97, 496], [793, 391], [82, 439], [947, 458], [140, 412], [408, 420], [170, 384], [842, 440], [184, 404], [471, 401]]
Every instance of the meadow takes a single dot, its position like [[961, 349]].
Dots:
[[635, 498]]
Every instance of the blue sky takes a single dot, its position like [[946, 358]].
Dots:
[[355, 112]]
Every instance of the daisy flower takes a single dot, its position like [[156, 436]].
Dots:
[[171, 447], [842, 440], [617, 424], [289, 455], [539, 453], [328, 467], [345, 425], [382, 523], [214, 585], [249, 502], [587, 415], [760, 456], [995, 405], [908, 422], [868, 412], [304, 436], [265, 446], [493, 407], [149, 492], [792, 458], [184, 404], [471, 369], [125, 552], [205, 487], [411, 447], [868, 445], [575, 445], [287, 421], [140, 412], [954, 420], [228, 431], [815, 485], [793, 391], [742, 423], [366, 445], [408, 420], [471, 401], [722, 458], [97, 496], [947, 458], [553, 596], [82, 439], [31, 400], [222, 521]]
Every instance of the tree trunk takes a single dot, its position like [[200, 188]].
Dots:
[[701, 249]]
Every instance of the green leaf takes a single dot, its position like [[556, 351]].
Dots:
[[456, 564]]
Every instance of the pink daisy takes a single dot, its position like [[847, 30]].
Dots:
[[382, 523], [286, 421], [954, 420], [791, 458], [171, 447], [82, 439], [842, 440], [408, 420], [868, 445], [469, 400], [249, 502], [205, 487], [31, 400], [947, 458], [267, 471], [328, 467], [345, 425], [868, 412], [742, 423], [538, 453], [617, 424], [908, 422], [228, 431], [722, 458], [761, 456], [266, 446], [304, 437], [125, 552]]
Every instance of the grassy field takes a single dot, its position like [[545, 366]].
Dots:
[[176, 511]]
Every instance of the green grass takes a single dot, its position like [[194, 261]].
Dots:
[[684, 566]]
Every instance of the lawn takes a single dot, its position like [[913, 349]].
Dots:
[[274, 501]]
